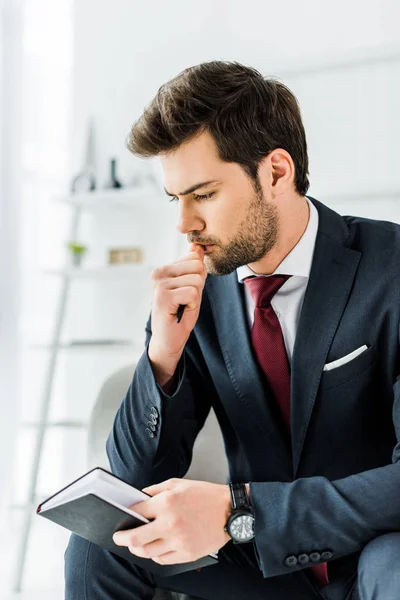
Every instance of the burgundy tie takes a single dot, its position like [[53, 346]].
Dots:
[[270, 350]]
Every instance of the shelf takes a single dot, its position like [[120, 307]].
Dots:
[[35, 504], [127, 198], [134, 271], [89, 345], [39, 499], [63, 424]]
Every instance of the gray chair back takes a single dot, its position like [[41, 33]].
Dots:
[[209, 460]]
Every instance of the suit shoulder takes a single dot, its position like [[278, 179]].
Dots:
[[367, 231]]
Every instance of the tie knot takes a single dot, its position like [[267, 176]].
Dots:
[[263, 289]]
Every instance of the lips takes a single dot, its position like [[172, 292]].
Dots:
[[206, 247]]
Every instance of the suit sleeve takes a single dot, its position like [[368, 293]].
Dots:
[[143, 459], [317, 515]]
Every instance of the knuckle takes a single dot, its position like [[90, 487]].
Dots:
[[170, 522], [199, 267], [160, 272], [176, 521], [145, 552], [154, 275], [132, 540], [199, 280], [158, 559], [169, 500]]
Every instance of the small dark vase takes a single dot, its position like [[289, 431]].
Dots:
[[113, 181]]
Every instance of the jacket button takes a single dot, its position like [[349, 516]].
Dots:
[[153, 418], [315, 556], [303, 559], [154, 411], [149, 433], [291, 561], [326, 555], [151, 425]]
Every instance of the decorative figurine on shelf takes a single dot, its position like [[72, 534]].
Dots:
[[85, 181], [113, 181], [124, 256], [77, 252]]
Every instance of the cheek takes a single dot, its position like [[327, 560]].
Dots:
[[221, 223]]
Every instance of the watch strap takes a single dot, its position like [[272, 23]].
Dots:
[[239, 496]]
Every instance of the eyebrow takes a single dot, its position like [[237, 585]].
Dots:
[[194, 187]]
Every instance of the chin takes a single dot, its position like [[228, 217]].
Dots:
[[219, 270]]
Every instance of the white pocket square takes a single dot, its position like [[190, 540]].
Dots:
[[345, 359]]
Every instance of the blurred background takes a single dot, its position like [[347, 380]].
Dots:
[[75, 262]]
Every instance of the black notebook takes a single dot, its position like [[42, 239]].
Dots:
[[95, 506]]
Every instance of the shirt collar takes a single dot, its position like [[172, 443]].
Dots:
[[299, 260]]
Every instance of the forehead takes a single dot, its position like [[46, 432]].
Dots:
[[194, 161]]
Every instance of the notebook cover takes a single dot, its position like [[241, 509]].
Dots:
[[96, 520]]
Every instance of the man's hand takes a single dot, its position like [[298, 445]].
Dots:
[[189, 519], [181, 282]]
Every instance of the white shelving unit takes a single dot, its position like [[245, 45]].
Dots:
[[98, 200], [119, 198], [106, 272]]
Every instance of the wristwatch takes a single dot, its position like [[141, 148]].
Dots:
[[240, 524]]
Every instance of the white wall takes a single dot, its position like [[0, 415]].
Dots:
[[341, 59], [10, 210], [333, 58], [123, 51], [135, 46]]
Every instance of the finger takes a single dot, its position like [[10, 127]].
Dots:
[[197, 248], [193, 280], [151, 550], [139, 536], [168, 484], [190, 296], [145, 508], [169, 558], [189, 256], [186, 266]]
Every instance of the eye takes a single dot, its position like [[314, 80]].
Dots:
[[204, 196], [199, 197]]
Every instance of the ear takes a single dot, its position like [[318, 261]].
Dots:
[[281, 171]]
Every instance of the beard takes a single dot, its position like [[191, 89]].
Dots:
[[257, 235]]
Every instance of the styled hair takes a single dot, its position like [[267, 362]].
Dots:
[[248, 116]]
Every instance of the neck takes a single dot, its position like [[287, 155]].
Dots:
[[293, 221]]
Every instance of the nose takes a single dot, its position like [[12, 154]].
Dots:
[[188, 220]]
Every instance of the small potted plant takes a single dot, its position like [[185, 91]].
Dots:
[[77, 252]]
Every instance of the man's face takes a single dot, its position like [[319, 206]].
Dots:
[[228, 213]]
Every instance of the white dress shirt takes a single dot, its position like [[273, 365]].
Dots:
[[288, 300]]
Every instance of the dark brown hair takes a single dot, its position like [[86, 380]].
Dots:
[[247, 115]]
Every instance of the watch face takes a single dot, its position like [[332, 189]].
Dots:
[[241, 527]]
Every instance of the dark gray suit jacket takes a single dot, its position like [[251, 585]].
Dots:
[[337, 485]]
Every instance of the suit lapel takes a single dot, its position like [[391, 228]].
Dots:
[[332, 274], [234, 336]]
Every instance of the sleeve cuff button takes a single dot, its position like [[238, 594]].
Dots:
[[291, 561], [315, 557]]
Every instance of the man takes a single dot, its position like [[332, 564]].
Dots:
[[291, 333]]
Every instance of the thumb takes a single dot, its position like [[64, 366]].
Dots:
[[197, 248]]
